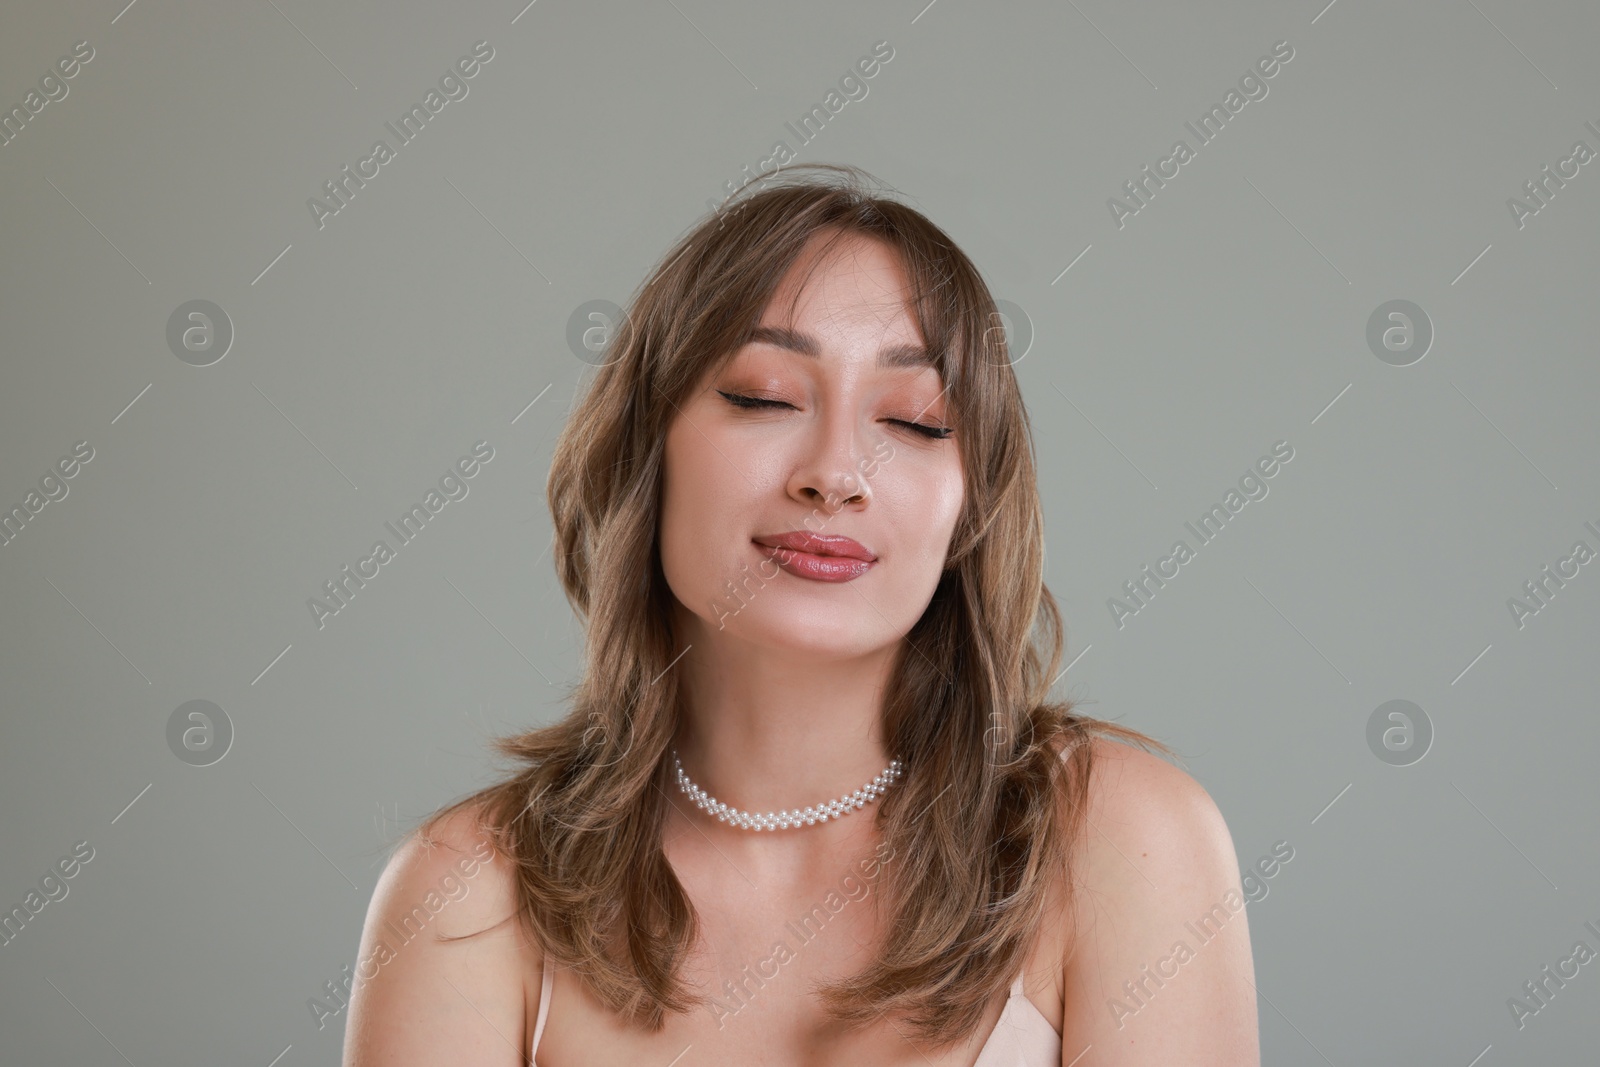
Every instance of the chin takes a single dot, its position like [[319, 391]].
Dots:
[[840, 629], [819, 640]]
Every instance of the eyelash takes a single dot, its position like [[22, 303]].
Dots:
[[932, 433]]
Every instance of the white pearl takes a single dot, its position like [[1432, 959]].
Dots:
[[786, 818]]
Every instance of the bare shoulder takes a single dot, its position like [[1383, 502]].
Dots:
[[440, 969], [1158, 964], [454, 871], [1136, 796]]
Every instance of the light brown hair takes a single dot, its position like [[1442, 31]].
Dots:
[[991, 804]]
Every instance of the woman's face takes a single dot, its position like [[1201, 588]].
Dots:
[[833, 455]]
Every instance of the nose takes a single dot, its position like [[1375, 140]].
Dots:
[[832, 473]]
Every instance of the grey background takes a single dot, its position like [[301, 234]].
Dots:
[[1228, 314]]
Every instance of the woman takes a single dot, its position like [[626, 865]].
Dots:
[[798, 511]]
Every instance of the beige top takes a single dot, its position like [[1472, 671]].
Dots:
[[1022, 1036]]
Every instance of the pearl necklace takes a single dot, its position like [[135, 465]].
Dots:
[[785, 819]]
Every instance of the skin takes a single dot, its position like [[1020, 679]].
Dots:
[[782, 689]]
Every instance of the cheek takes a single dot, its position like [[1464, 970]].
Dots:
[[946, 499], [934, 495], [701, 516], [683, 494], [921, 504]]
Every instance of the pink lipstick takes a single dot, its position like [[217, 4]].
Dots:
[[819, 557]]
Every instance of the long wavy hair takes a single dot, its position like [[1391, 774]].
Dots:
[[992, 800]]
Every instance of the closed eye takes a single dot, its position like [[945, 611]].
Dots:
[[935, 433]]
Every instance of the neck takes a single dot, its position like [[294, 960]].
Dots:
[[763, 729]]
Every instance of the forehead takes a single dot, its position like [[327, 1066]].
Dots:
[[854, 285], [891, 354]]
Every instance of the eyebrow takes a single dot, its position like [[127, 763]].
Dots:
[[896, 355]]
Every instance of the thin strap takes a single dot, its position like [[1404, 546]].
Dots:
[[545, 985], [1016, 987]]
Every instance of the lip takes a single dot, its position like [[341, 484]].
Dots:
[[817, 557], [814, 544]]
